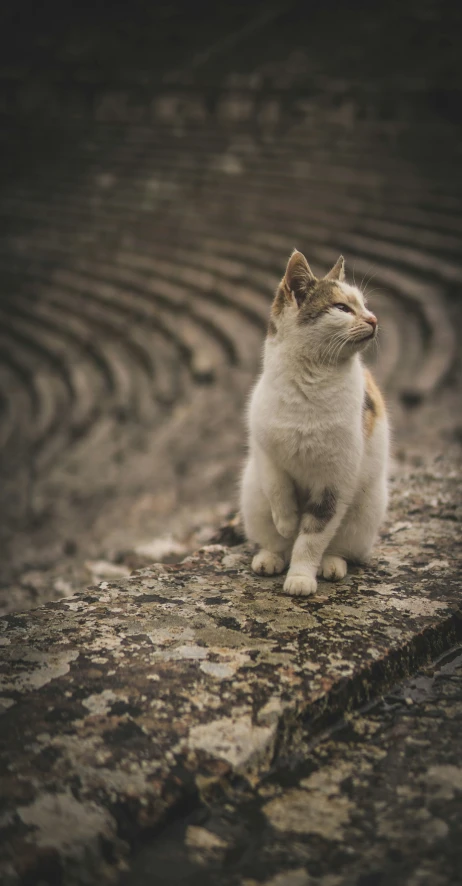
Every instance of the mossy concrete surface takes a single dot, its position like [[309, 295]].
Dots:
[[127, 704], [375, 802]]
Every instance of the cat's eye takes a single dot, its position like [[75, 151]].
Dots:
[[343, 307]]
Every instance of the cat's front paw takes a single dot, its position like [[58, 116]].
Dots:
[[300, 585], [266, 563], [333, 568], [286, 524]]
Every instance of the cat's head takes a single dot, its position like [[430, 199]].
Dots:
[[326, 319]]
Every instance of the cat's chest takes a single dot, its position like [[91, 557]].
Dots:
[[309, 443], [315, 450]]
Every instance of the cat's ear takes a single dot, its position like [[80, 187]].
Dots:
[[298, 276], [338, 271]]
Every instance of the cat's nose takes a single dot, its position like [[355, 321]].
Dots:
[[372, 319]]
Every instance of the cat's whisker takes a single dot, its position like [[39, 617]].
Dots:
[[367, 291], [339, 349], [377, 289], [338, 344], [368, 282], [334, 347], [326, 352], [365, 275], [329, 345]]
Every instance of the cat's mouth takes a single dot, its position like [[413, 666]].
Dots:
[[367, 336]]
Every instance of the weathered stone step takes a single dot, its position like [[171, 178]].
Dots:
[[401, 232], [124, 358], [196, 311], [420, 261], [403, 329], [188, 268], [18, 400], [133, 700], [261, 260], [285, 155], [134, 196], [83, 207], [192, 332], [82, 313], [102, 375], [86, 378], [44, 373], [434, 314], [169, 308], [220, 307], [376, 796], [285, 158], [358, 218], [227, 291], [427, 301]]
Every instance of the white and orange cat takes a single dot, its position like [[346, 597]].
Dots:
[[314, 488]]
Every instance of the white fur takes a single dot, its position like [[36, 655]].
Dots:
[[305, 424]]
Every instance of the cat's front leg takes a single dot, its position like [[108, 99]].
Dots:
[[280, 492], [285, 521], [318, 525]]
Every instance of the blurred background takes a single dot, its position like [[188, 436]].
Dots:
[[159, 161]]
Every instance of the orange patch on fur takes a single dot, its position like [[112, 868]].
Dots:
[[374, 406]]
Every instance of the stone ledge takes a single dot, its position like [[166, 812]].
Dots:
[[126, 703]]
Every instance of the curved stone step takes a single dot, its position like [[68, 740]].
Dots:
[[84, 206], [185, 314], [18, 402], [427, 302], [90, 394], [155, 255], [187, 268], [46, 378], [85, 314], [288, 153]]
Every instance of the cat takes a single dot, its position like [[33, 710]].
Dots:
[[314, 488]]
